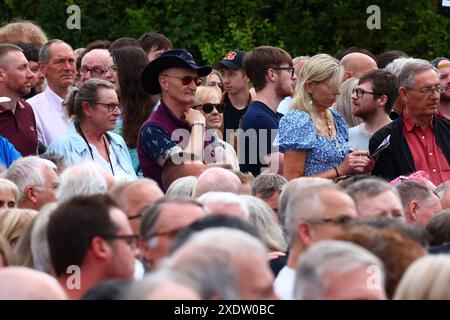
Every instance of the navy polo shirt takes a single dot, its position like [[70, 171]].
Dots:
[[259, 129]]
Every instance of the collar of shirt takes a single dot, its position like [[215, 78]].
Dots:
[[410, 123], [18, 105], [57, 100]]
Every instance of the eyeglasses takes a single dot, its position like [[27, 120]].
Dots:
[[95, 71], [361, 92], [132, 240], [186, 80], [341, 220], [209, 107], [110, 106], [112, 68], [291, 69], [430, 90]]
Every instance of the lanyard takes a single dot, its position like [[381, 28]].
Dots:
[[77, 126]]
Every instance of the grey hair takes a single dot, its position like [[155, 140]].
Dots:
[[411, 69], [411, 190], [40, 250], [329, 256], [211, 198], [88, 92], [299, 58], [183, 186], [81, 179], [440, 189], [263, 219], [151, 214], [370, 187], [396, 66], [291, 188], [210, 269], [344, 103], [214, 253], [306, 203], [268, 184], [139, 290], [44, 52], [28, 171]]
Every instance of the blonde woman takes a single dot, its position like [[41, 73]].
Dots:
[[9, 195], [14, 222], [344, 103], [313, 136], [207, 100], [428, 278]]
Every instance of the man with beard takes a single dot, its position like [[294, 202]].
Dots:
[[444, 76], [418, 139], [271, 72], [57, 63], [17, 121], [372, 99]]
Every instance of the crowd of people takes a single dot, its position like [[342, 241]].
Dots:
[[130, 171]]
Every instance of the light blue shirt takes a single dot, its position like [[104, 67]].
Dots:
[[75, 150]]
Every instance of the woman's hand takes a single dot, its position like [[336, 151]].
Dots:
[[356, 162]]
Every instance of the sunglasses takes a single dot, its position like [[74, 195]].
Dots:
[[209, 107], [186, 80]]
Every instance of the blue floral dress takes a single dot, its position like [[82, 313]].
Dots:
[[298, 133]]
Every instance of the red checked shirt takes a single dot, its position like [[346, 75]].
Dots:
[[426, 153]]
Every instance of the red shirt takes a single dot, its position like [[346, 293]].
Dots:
[[426, 153], [20, 128]]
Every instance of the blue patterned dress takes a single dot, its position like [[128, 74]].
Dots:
[[298, 133]]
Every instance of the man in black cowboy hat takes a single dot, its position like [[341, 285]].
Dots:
[[175, 127]]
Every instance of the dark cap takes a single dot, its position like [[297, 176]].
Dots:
[[232, 60], [177, 58]]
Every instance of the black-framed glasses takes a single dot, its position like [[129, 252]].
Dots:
[[95, 71], [291, 69], [131, 239], [341, 220], [186, 80], [430, 90], [209, 107], [110, 106], [361, 92]]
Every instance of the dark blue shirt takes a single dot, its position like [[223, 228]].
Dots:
[[259, 129]]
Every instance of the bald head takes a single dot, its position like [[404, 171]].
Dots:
[[217, 179], [20, 283], [356, 64], [97, 60]]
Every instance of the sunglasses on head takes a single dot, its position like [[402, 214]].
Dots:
[[209, 107]]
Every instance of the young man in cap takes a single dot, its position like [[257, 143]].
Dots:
[[176, 76], [237, 96]]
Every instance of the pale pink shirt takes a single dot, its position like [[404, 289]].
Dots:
[[50, 116]]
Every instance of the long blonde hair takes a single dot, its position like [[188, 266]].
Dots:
[[316, 69]]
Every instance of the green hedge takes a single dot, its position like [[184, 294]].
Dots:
[[209, 28]]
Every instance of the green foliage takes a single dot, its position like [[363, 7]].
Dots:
[[210, 28]]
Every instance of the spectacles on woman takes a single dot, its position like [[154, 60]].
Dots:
[[209, 107]]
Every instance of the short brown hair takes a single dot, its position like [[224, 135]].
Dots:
[[259, 60], [383, 83]]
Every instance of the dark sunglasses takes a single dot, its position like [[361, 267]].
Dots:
[[209, 107]]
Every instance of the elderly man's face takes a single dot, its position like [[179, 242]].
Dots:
[[419, 104], [337, 206], [48, 194], [385, 204]]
